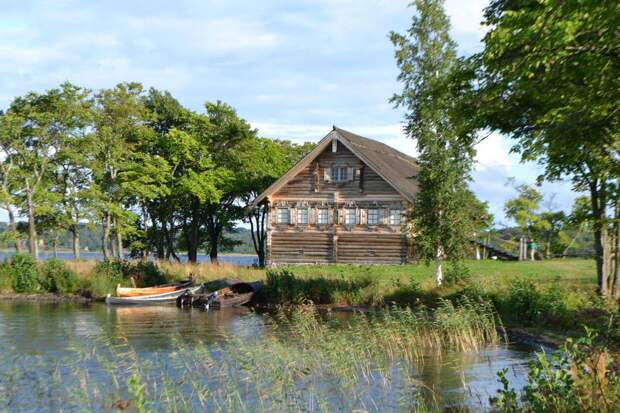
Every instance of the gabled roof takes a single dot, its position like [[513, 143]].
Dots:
[[396, 168]]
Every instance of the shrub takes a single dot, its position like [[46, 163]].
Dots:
[[283, 287], [457, 274], [24, 274], [55, 277], [109, 269], [581, 377], [6, 281], [146, 273], [529, 305]]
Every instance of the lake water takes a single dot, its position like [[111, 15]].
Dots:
[[70, 357], [244, 260]]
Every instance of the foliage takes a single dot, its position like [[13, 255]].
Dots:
[[426, 56], [548, 77], [524, 209], [526, 304], [153, 175], [580, 377], [457, 273], [24, 273], [283, 287], [55, 277]]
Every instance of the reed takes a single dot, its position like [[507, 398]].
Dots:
[[301, 360]]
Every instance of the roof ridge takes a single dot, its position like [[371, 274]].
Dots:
[[387, 148]]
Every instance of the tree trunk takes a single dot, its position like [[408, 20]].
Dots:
[[13, 228], [55, 245], [477, 253], [258, 233], [113, 247], [119, 241], [213, 252], [598, 203], [106, 236], [438, 267], [616, 254], [33, 246], [75, 232]]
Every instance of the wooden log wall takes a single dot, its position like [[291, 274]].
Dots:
[[337, 242]]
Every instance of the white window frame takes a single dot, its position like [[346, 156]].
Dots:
[[339, 173], [348, 214], [372, 216], [280, 214], [302, 216], [395, 216], [322, 216]]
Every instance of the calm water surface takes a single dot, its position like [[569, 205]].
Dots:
[[91, 255], [65, 344]]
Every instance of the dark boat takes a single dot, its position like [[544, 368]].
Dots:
[[235, 294]]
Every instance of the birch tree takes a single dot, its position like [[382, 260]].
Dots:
[[426, 55]]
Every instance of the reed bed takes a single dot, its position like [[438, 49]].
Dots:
[[297, 360]]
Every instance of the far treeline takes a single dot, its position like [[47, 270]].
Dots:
[[156, 177]]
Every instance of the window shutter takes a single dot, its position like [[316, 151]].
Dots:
[[341, 212], [292, 216], [311, 216], [358, 216], [330, 215], [363, 216], [327, 174], [350, 176]]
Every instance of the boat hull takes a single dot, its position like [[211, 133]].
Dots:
[[123, 292], [155, 299]]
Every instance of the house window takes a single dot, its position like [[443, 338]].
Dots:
[[302, 216], [283, 216], [394, 216], [373, 217], [321, 217], [339, 173], [350, 217]]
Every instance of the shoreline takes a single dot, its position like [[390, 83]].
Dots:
[[46, 298], [513, 334]]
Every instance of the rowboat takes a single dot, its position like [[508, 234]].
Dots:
[[155, 299], [235, 295], [158, 289]]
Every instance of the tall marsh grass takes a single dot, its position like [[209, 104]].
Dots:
[[298, 360]]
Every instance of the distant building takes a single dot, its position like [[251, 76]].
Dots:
[[347, 201]]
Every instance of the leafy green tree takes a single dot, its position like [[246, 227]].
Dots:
[[42, 126], [524, 210], [426, 56], [549, 77], [8, 187], [120, 126], [227, 135], [265, 160]]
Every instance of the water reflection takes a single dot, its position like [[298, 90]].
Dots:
[[44, 333]]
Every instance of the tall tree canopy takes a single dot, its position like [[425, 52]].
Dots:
[[426, 56], [549, 76], [156, 176]]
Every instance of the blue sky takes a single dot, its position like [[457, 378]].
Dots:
[[291, 68]]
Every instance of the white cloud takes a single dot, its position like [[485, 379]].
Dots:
[[493, 152]]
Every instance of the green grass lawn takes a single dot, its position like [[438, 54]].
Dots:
[[570, 273]]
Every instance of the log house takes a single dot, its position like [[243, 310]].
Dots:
[[347, 201]]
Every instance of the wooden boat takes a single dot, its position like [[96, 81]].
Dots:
[[156, 299], [236, 295], [158, 289]]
